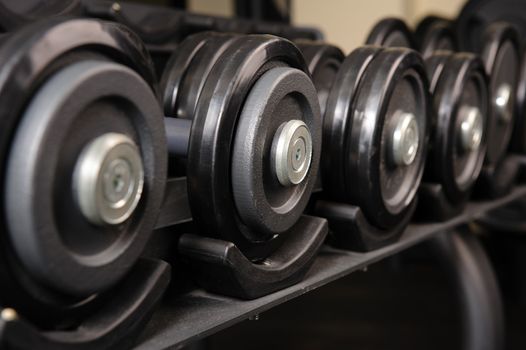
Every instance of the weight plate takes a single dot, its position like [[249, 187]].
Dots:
[[323, 61], [213, 130], [391, 32], [176, 68], [338, 118], [176, 77], [52, 238], [458, 141], [475, 16], [197, 73], [14, 14], [434, 34], [280, 96], [388, 140], [435, 68], [501, 59], [25, 63], [519, 130]]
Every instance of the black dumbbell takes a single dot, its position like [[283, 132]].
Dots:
[[498, 45], [500, 55], [375, 129], [459, 87], [471, 21], [243, 112], [83, 159], [458, 139]]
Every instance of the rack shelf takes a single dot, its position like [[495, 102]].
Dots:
[[197, 314]]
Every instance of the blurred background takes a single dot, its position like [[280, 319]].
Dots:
[[344, 22]]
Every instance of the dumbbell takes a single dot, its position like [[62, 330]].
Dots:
[[375, 129], [83, 163], [500, 52], [459, 88], [471, 21], [243, 113], [15, 14], [470, 42]]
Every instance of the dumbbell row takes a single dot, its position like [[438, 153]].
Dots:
[[86, 144]]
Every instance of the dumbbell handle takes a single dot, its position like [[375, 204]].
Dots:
[[177, 135]]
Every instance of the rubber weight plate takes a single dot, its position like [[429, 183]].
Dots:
[[323, 61], [388, 136], [25, 65], [435, 34], [391, 32], [337, 120], [186, 72], [51, 236], [458, 140], [501, 59], [198, 71], [475, 16], [273, 150], [214, 128], [519, 130]]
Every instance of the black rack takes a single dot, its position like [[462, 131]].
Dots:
[[197, 314]]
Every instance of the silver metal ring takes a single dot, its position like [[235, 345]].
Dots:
[[292, 152], [404, 139], [108, 179], [471, 128]]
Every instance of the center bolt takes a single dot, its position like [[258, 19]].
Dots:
[[108, 179], [292, 152], [502, 100], [404, 139], [471, 128]]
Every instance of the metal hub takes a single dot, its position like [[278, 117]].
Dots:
[[471, 128], [108, 179], [292, 152], [404, 139], [501, 102]]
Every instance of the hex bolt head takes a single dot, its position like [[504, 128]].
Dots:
[[501, 102], [404, 139], [292, 152], [108, 179], [471, 128]]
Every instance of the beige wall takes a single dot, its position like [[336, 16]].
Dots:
[[447, 8], [212, 7], [347, 22]]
